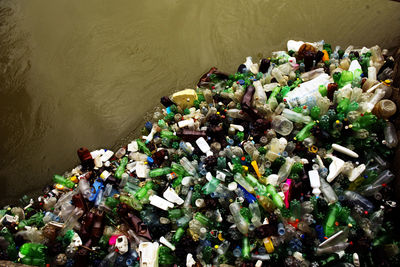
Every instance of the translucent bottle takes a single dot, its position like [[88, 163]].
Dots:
[[327, 191], [357, 199], [84, 188], [278, 75], [255, 214], [259, 96], [295, 117], [240, 222], [250, 148], [390, 135], [188, 166], [384, 178], [332, 249], [223, 247], [137, 156], [120, 153], [240, 180], [284, 170], [282, 125]]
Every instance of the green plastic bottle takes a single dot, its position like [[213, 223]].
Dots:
[[258, 187], [331, 219], [246, 214], [276, 198], [284, 91], [58, 179], [336, 77], [343, 106], [142, 147], [175, 213], [159, 172], [203, 219], [180, 232], [296, 83], [246, 248], [165, 257], [133, 202], [305, 132], [112, 202], [323, 90], [121, 168], [345, 78], [142, 192], [365, 121], [169, 135], [36, 219], [33, 254]]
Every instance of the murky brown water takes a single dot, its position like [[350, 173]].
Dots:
[[84, 73]]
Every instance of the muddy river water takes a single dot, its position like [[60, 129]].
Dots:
[[85, 73]]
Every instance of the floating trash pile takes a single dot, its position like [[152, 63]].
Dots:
[[285, 162]]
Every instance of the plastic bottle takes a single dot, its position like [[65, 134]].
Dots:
[[305, 132], [282, 125], [295, 117], [391, 139], [121, 168], [357, 199], [63, 181], [240, 222], [328, 192], [285, 170]]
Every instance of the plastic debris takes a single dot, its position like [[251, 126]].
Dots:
[[286, 162]]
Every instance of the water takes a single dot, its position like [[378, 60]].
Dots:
[[84, 73]]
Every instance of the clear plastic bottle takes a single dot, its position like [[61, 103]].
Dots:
[[295, 117], [282, 125], [390, 135]]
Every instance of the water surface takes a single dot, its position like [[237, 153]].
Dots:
[[84, 73]]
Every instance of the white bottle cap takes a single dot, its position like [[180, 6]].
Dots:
[[199, 203]]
